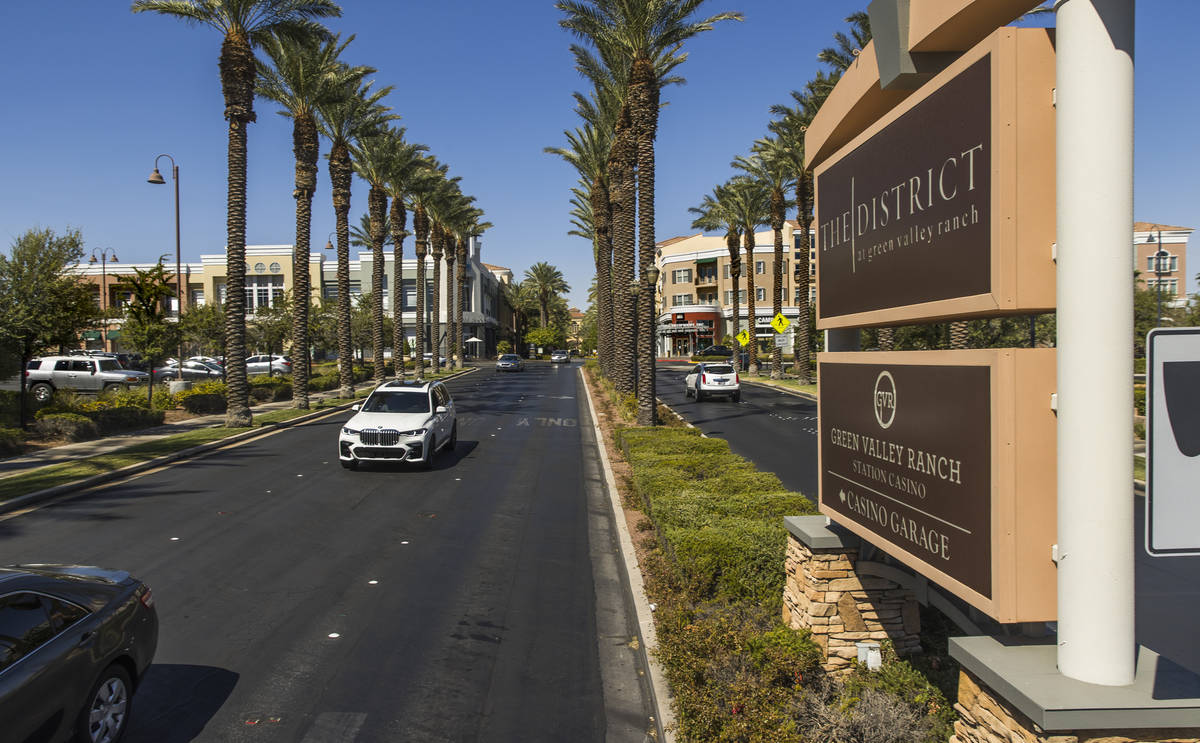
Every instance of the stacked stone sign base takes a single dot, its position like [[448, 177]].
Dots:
[[984, 717], [824, 594]]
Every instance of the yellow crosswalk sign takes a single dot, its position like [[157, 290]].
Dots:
[[743, 337], [780, 323]]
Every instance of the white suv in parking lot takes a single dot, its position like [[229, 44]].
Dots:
[[401, 421]]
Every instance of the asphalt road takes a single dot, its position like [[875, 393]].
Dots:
[[302, 602], [775, 430]]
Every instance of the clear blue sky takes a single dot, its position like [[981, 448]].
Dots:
[[92, 93]]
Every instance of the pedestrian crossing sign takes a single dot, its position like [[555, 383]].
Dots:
[[743, 337], [780, 323]]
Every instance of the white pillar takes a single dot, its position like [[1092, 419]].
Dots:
[[1094, 140]]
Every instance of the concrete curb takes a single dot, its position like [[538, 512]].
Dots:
[[29, 499], [633, 572]]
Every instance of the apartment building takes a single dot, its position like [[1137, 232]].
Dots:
[[695, 290], [1171, 272]]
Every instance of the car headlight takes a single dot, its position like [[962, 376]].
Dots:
[[350, 431], [414, 432]]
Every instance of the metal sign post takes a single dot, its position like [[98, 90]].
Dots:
[[1173, 442]]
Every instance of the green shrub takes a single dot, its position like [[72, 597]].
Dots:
[[710, 359], [113, 420], [731, 559], [899, 679], [204, 403], [694, 508], [1139, 400], [71, 426], [11, 441], [1139, 431], [1139, 365]]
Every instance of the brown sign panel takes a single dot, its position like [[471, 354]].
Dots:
[[907, 455], [944, 208], [904, 218], [945, 460]]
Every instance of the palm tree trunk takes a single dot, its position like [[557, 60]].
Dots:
[[399, 341], [376, 210], [452, 329], [602, 226], [435, 322], [340, 174], [887, 339], [621, 198], [305, 143], [458, 306], [237, 83], [960, 335], [421, 241], [777, 217], [802, 341], [751, 319], [644, 94]]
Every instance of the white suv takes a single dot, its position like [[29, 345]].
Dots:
[[400, 422]]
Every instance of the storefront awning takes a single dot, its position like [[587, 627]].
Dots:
[[91, 335], [702, 261], [114, 334]]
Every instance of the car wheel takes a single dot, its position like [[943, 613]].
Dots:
[[112, 386], [42, 392], [427, 462], [699, 394], [104, 718], [350, 464], [276, 373], [687, 392]]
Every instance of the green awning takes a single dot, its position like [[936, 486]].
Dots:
[[699, 261], [114, 334], [91, 335]]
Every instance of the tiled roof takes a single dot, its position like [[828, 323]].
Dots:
[[1151, 227], [490, 267]]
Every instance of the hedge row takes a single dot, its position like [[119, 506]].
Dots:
[[736, 672]]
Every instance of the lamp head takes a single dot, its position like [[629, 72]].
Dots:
[[156, 177], [92, 259], [634, 288], [652, 274]]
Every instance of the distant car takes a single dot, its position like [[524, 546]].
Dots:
[[429, 360], [716, 351], [713, 379], [78, 373], [276, 366], [75, 643], [560, 357], [206, 359], [400, 421], [510, 362], [192, 371]]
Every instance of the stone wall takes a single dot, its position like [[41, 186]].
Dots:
[[824, 594], [984, 717]]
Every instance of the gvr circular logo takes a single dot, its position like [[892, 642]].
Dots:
[[885, 399]]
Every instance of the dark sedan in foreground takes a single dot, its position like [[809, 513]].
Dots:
[[74, 644]]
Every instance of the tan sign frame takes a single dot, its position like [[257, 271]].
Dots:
[[1023, 477], [1022, 186]]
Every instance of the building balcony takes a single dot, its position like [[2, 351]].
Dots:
[[703, 280]]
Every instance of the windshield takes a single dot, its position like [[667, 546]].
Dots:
[[509, 357], [110, 365], [397, 402]]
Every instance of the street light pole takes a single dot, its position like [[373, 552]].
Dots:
[[104, 255], [1158, 261], [156, 178]]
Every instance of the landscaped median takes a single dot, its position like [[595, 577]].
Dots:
[[711, 541], [54, 480]]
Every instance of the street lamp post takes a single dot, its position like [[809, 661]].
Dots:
[[156, 178], [104, 255], [1159, 256]]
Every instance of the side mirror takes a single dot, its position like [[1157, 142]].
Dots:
[[356, 407], [441, 409]]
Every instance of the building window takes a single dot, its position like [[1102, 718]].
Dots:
[[783, 295], [678, 300], [726, 270], [262, 292], [275, 268], [260, 267], [1169, 263], [760, 267], [760, 294], [681, 276], [741, 296], [797, 300]]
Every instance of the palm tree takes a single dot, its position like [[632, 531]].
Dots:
[[422, 191], [848, 47], [644, 39], [546, 282], [751, 203], [355, 113], [473, 229], [360, 234], [300, 76], [243, 25], [372, 158], [406, 164], [444, 210], [716, 212], [770, 166]]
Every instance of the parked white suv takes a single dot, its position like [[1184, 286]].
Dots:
[[78, 373], [401, 421]]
